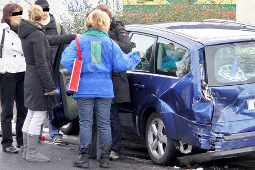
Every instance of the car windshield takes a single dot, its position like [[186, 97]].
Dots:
[[230, 64]]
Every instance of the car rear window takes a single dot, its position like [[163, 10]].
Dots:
[[230, 64]]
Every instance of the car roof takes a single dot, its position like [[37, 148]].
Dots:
[[206, 32]]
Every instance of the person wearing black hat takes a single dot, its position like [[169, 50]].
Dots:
[[42, 3], [52, 27]]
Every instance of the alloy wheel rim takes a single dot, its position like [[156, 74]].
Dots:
[[157, 139]]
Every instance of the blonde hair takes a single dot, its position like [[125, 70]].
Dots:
[[98, 20], [35, 13]]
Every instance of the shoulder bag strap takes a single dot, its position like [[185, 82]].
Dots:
[[2, 43], [79, 49], [58, 27]]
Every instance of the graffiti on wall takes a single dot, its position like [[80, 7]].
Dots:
[[160, 2]]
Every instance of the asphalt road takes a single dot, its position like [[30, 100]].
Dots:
[[134, 156], [62, 158]]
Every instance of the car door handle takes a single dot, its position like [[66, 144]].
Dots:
[[140, 86]]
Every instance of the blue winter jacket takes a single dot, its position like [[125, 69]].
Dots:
[[100, 55]]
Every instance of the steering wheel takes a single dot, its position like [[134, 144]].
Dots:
[[225, 72]]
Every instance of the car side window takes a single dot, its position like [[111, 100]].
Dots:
[[144, 43], [172, 59]]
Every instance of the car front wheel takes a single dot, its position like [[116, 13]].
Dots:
[[161, 150]]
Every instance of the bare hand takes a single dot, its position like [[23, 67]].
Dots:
[[77, 35], [51, 93], [141, 54]]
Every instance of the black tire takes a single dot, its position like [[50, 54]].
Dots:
[[71, 128], [168, 157]]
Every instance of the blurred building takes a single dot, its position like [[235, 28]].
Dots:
[[245, 11]]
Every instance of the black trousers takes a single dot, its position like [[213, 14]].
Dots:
[[12, 88], [116, 128]]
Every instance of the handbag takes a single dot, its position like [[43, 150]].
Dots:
[[2, 43], [73, 84], [1, 49]]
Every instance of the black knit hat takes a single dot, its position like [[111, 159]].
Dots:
[[42, 3]]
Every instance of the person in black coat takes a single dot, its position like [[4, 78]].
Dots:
[[119, 34], [52, 27], [39, 87]]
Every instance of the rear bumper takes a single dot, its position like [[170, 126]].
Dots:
[[202, 136], [239, 136], [235, 141], [214, 155]]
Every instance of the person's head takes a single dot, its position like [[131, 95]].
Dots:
[[106, 9], [12, 14], [35, 14], [99, 20], [45, 6]]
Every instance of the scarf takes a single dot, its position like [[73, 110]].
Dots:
[[95, 32], [14, 29], [46, 21]]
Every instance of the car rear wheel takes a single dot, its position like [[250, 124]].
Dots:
[[71, 128], [161, 150]]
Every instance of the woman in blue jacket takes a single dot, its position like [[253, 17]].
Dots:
[[100, 56]]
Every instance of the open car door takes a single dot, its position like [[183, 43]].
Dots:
[[66, 111]]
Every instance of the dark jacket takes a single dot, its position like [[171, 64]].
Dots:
[[38, 75], [55, 50], [119, 34]]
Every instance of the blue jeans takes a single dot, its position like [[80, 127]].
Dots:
[[116, 129], [86, 108], [54, 133]]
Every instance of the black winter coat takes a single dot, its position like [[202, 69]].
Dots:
[[119, 34], [57, 49], [38, 75]]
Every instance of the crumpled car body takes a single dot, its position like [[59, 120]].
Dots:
[[212, 105]]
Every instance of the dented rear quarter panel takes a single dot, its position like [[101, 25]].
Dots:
[[180, 102], [192, 119]]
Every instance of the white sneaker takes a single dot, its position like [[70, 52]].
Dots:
[[114, 155], [58, 141]]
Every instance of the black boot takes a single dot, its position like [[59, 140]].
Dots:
[[83, 161], [104, 157]]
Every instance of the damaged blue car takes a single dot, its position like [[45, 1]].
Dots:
[[193, 93]]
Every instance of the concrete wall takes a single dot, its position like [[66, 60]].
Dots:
[[245, 11], [64, 8]]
